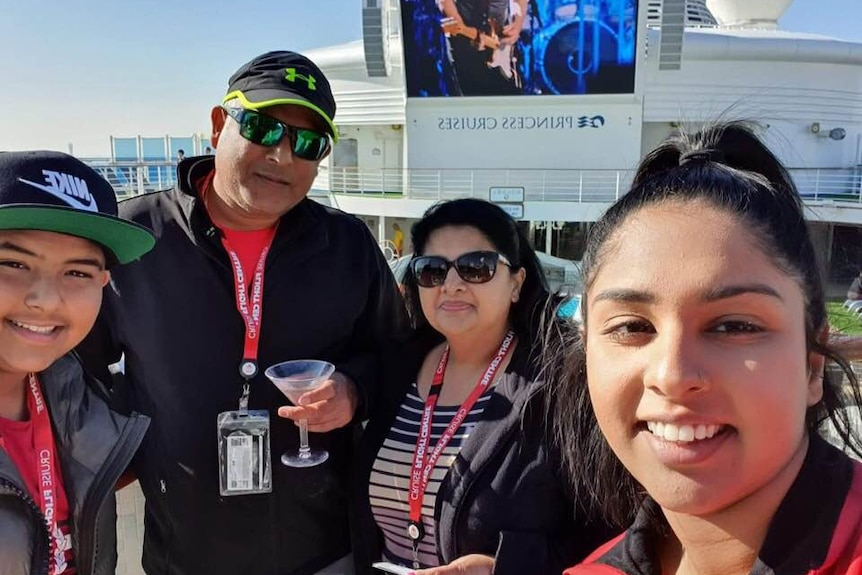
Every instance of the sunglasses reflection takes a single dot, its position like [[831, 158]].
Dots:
[[473, 267], [264, 130]]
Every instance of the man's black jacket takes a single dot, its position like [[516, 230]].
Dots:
[[328, 294]]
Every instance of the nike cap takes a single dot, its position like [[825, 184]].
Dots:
[[55, 192], [283, 77]]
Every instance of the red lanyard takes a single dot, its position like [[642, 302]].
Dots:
[[46, 470], [251, 309], [423, 462]]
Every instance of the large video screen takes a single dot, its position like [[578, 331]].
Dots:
[[519, 47]]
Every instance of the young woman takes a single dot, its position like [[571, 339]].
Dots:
[[487, 497], [703, 346]]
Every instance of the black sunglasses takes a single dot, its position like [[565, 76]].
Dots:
[[264, 130], [472, 267]]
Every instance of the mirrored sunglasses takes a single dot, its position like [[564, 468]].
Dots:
[[473, 267], [263, 130]]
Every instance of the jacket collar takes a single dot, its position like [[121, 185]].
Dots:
[[192, 170], [799, 534], [303, 217], [56, 383]]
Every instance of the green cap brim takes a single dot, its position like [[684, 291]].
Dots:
[[295, 101], [128, 241]]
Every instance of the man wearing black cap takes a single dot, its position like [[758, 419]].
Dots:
[[247, 272]]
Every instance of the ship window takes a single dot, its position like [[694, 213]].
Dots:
[[346, 153]]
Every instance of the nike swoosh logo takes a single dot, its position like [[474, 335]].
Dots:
[[71, 200]]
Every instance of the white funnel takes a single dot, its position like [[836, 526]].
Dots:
[[748, 13]]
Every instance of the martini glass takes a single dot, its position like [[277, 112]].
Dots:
[[294, 378]]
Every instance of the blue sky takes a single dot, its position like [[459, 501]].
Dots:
[[83, 70]]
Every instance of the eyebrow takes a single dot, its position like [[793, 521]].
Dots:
[[87, 262], [737, 290], [17, 249], [625, 295], [725, 292], [12, 247]]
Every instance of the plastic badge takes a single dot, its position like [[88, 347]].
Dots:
[[245, 466]]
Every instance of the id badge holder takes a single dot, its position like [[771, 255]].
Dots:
[[245, 466]]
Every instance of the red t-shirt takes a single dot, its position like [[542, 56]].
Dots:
[[248, 245], [16, 437]]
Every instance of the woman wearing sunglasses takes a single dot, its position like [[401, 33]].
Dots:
[[456, 474]]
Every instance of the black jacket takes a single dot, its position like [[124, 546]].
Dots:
[[817, 529], [502, 496], [328, 294], [94, 446]]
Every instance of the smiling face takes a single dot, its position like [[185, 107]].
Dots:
[[258, 184], [696, 359], [459, 308], [50, 294]]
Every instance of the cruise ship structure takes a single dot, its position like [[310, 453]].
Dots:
[[433, 107]]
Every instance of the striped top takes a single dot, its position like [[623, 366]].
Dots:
[[390, 474]]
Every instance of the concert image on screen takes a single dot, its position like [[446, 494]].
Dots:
[[519, 47]]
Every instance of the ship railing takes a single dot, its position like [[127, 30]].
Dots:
[[133, 178], [537, 185], [842, 186], [815, 185], [829, 184]]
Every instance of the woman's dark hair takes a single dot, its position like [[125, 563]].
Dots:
[[503, 233], [727, 166]]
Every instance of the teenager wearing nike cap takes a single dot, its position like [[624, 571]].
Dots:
[[327, 294], [61, 448]]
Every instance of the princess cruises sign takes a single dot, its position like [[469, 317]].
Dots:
[[492, 123], [520, 133]]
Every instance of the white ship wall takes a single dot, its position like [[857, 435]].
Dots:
[[784, 82], [787, 82]]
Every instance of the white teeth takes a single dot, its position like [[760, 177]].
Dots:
[[686, 433], [34, 328], [671, 432], [682, 433]]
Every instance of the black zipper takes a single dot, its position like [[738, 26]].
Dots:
[[103, 485], [213, 248], [42, 553], [204, 233]]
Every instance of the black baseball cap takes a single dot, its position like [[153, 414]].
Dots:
[[56, 192], [283, 77]]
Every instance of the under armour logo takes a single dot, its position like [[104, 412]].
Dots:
[[591, 122], [291, 75], [72, 190]]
